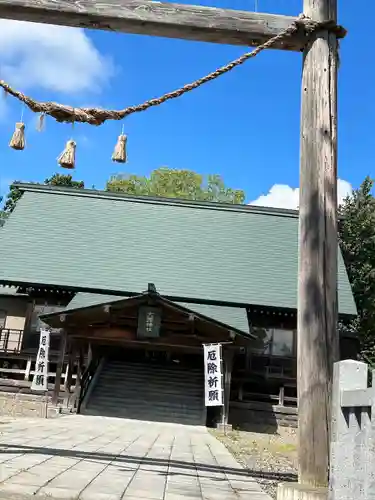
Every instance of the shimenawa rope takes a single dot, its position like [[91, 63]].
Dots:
[[97, 116]]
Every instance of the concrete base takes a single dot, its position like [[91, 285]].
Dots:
[[224, 427], [296, 491]]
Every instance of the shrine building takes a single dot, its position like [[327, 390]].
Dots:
[[134, 287]]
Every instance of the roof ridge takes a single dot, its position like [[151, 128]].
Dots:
[[110, 195]]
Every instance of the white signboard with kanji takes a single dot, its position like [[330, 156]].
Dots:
[[40, 379], [213, 377]]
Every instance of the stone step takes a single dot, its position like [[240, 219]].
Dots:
[[151, 365], [150, 401], [152, 397], [172, 410], [150, 373], [136, 367], [148, 392], [178, 418], [156, 384], [146, 409], [124, 380]]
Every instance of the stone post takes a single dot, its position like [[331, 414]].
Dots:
[[350, 430]]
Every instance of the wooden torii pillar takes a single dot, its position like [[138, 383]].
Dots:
[[318, 341], [317, 284]]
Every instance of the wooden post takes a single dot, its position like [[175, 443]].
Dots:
[[28, 369], [78, 385], [240, 392], [89, 355], [59, 366], [281, 395], [317, 284], [228, 355], [66, 373], [70, 367]]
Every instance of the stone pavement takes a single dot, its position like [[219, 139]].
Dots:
[[98, 458]]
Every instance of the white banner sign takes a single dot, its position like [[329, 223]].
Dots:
[[40, 379], [212, 375]]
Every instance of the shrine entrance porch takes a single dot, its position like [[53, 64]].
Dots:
[[148, 385]]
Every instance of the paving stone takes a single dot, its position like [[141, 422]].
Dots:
[[7, 472], [71, 480], [107, 486], [100, 496], [27, 478], [187, 492], [59, 493], [98, 458], [145, 492], [7, 457], [177, 496], [22, 489]]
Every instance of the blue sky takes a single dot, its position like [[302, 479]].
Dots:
[[243, 126]]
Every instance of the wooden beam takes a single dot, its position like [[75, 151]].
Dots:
[[59, 366], [140, 344], [145, 17], [317, 287]]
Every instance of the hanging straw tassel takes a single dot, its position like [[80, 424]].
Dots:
[[18, 138], [68, 156], [41, 122], [119, 153]]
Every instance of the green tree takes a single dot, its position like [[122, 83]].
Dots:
[[56, 180], [357, 241], [11, 199], [2, 214], [64, 180], [169, 183]]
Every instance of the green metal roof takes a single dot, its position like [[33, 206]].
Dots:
[[112, 243], [234, 317], [82, 300]]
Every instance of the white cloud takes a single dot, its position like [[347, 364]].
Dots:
[[54, 58], [284, 196]]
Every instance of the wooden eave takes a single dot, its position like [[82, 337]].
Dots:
[[124, 313]]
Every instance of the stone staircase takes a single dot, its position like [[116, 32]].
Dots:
[[147, 391]]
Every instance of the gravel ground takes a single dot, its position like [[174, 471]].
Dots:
[[270, 458]]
